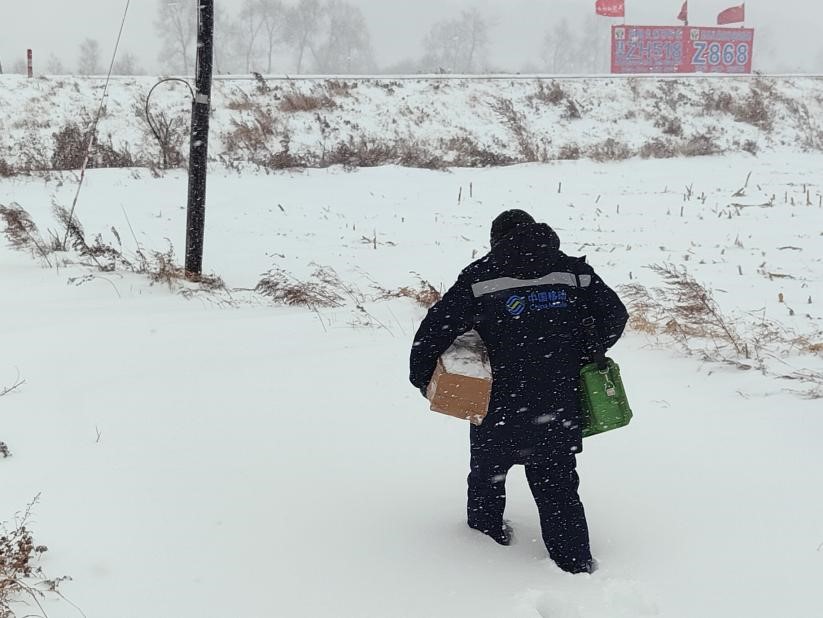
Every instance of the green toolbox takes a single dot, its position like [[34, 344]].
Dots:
[[604, 403]]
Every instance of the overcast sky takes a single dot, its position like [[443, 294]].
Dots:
[[787, 39]]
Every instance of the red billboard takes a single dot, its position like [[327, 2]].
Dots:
[[681, 49]]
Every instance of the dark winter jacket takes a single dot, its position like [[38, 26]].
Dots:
[[524, 298]]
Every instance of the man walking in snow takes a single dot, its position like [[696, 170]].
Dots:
[[527, 300]]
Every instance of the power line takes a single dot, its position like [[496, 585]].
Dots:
[[93, 131]]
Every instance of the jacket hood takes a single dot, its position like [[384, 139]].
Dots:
[[533, 245], [506, 222]]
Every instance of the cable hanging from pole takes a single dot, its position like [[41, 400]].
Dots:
[[93, 130], [150, 122]]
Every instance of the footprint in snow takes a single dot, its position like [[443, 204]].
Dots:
[[629, 598], [593, 598], [552, 605]]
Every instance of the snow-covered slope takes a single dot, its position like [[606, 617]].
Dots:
[[419, 122], [221, 456]]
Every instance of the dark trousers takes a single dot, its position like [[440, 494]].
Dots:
[[553, 480]]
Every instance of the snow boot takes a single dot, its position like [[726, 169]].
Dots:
[[503, 535]]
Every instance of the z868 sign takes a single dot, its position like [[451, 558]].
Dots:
[[681, 49]]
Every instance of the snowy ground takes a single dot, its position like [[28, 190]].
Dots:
[[417, 119], [197, 459]]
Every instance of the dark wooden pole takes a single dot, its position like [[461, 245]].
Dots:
[[199, 148]]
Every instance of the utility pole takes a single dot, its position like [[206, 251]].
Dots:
[[199, 147]]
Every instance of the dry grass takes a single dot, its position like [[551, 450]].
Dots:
[[243, 103], [644, 311], [609, 150], [551, 95], [714, 101], [323, 289], [339, 88], [71, 143], [812, 347], [158, 266], [572, 110], [569, 152], [658, 148], [6, 169], [669, 125], [414, 154], [756, 108], [464, 151], [162, 267], [5, 390], [367, 152], [750, 146], [699, 145], [554, 95], [684, 309], [250, 141], [300, 102], [22, 233], [22, 582], [425, 295], [171, 133], [248, 138], [516, 124], [362, 152], [97, 251]]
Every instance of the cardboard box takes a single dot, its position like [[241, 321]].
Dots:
[[461, 384]]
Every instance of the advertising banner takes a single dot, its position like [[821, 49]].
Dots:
[[681, 49]]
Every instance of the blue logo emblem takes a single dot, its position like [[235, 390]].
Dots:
[[516, 305]]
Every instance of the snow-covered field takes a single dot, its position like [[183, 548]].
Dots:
[[221, 456]]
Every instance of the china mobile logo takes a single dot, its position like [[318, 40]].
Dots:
[[553, 299], [516, 305]]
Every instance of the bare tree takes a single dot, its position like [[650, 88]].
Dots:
[[559, 48], [477, 35], [249, 26], [229, 42], [305, 21], [176, 24], [592, 52], [346, 45], [458, 45], [127, 64], [89, 60], [54, 66], [226, 35], [442, 45], [274, 16], [406, 66]]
